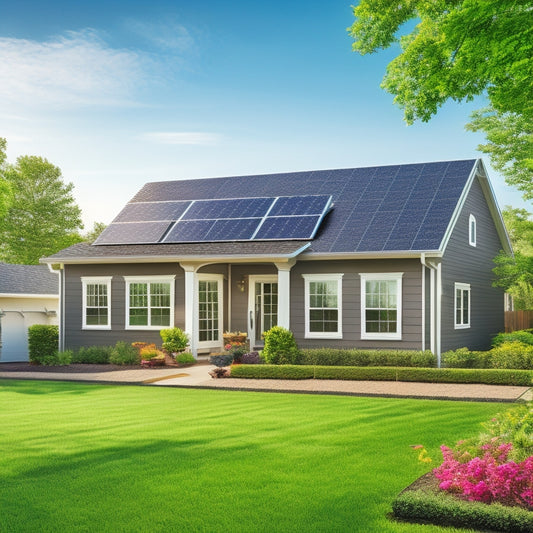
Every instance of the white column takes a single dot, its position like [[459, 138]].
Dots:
[[190, 295], [284, 294]]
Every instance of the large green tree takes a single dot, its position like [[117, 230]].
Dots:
[[5, 189], [515, 274], [42, 217], [458, 49]]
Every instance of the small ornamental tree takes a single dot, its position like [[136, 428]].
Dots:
[[174, 339], [280, 347]]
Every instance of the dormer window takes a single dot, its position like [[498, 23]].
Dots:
[[472, 230]]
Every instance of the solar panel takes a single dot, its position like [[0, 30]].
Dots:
[[133, 233], [152, 211], [233, 229], [293, 227], [300, 205], [230, 208], [189, 231]]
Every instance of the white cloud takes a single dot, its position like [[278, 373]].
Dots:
[[168, 35], [77, 68], [181, 137]]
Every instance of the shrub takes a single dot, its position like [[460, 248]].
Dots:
[[427, 375], [524, 336], [92, 355], [512, 355], [174, 339], [43, 341], [252, 358], [357, 357], [63, 358], [491, 478], [124, 354], [185, 358], [280, 347], [237, 349], [444, 510], [148, 353], [464, 358], [221, 359]]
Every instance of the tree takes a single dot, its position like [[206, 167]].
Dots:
[[93, 234], [5, 189], [515, 274], [459, 49], [43, 217]]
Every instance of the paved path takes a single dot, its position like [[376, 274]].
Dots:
[[197, 377]]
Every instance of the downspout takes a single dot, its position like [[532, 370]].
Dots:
[[61, 307], [229, 297], [434, 304]]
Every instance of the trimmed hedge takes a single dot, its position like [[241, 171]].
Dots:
[[415, 506], [425, 375], [43, 342], [357, 357], [92, 355]]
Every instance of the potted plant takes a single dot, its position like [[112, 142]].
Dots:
[[234, 337], [174, 340]]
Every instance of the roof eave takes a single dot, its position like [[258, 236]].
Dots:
[[394, 254], [233, 258]]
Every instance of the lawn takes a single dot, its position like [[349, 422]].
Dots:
[[80, 457]]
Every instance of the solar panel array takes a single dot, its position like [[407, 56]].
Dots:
[[387, 208], [230, 219]]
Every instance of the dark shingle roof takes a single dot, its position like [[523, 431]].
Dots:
[[27, 279], [400, 208]]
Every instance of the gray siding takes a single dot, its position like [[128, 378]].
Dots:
[[351, 302], [75, 336], [463, 263]]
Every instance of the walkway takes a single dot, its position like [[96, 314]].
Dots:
[[197, 376]]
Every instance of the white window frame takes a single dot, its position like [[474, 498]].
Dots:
[[308, 279], [96, 280], [387, 276], [472, 230], [149, 279], [463, 287], [216, 344]]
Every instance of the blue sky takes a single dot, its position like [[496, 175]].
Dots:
[[119, 93]]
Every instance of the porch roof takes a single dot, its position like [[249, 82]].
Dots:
[[235, 251]]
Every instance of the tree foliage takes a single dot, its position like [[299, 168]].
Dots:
[[42, 217], [5, 189], [458, 49], [515, 274], [95, 232]]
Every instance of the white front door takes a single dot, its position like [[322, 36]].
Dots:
[[209, 307], [262, 307]]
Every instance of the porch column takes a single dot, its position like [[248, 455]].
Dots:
[[284, 292], [190, 326]]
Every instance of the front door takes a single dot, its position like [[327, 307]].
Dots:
[[262, 307], [209, 311]]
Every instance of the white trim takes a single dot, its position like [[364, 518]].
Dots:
[[423, 331], [461, 287], [387, 276], [148, 280], [95, 280], [28, 295], [252, 280], [472, 235], [308, 278], [218, 344]]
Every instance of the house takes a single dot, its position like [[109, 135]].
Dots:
[[29, 294], [381, 257]]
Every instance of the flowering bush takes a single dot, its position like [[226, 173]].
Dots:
[[490, 478], [237, 349]]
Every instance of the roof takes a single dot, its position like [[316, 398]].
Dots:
[[384, 210], [27, 279]]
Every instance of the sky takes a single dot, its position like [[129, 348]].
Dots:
[[121, 92]]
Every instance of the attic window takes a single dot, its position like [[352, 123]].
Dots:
[[472, 230]]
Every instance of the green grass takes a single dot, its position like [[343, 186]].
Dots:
[[80, 457]]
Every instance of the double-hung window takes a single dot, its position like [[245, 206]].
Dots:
[[96, 302], [462, 305], [149, 302], [323, 306], [381, 306]]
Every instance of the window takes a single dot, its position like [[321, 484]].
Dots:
[[381, 306], [149, 302], [472, 230], [462, 305], [323, 306], [209, 309], [96, 302]]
